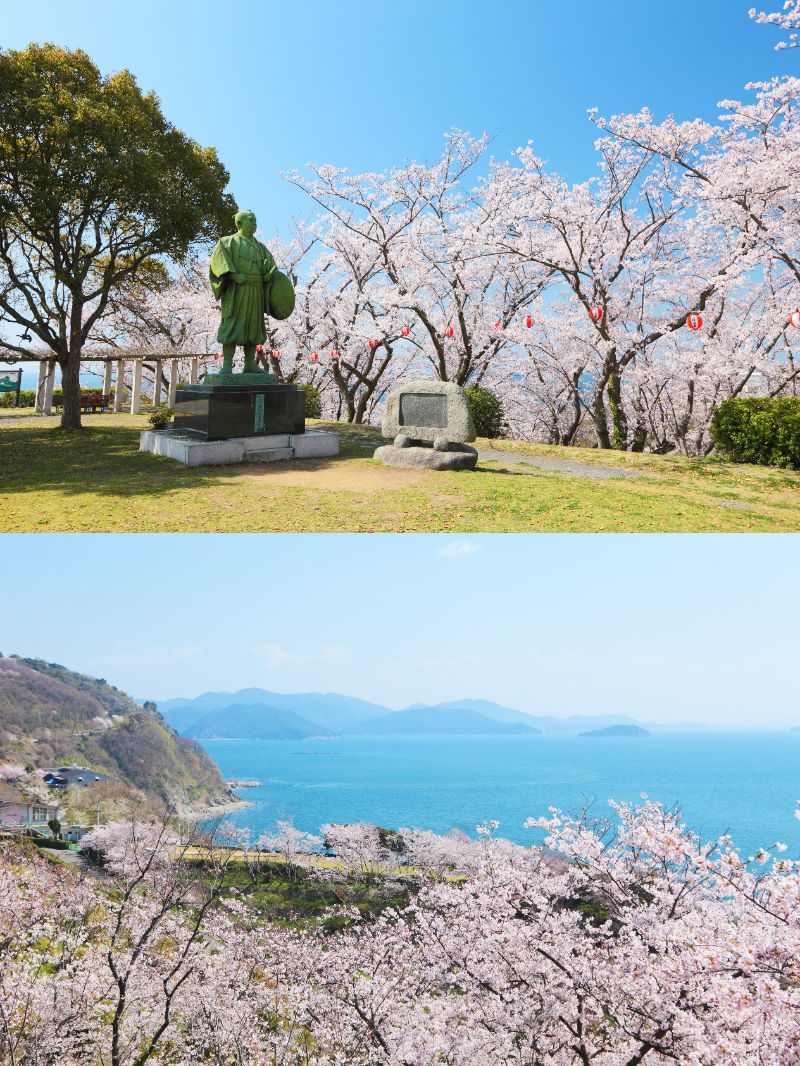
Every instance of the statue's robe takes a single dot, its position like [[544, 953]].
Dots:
[[243, 306]]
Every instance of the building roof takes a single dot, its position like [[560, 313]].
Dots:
[[73, 775]]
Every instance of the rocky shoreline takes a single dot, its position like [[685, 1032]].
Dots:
[[216, 810]]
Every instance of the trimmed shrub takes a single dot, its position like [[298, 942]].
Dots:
[[27, 398], [752, 430], [161, 417], [487, 413], [313, 400], [49, 842]]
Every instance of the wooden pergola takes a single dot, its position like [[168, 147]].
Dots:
[[110, 357]]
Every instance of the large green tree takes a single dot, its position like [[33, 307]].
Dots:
[[98, 194]]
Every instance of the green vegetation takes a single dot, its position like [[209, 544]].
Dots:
[[98, 481], [753, 430], [93, 179], [161, 417], [313, 400], [51, 716], [27, 398], [487, 412], [292, 895]]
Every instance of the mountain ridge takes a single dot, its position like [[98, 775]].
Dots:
[[253, 722], [336, 713]]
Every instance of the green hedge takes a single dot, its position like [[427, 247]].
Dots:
[[313, 400], [27, 398], [49, 842], [765, 431], [487, 413]]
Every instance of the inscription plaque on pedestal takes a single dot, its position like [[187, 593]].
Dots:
[[220, 412]]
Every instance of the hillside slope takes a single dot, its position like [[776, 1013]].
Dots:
[[52, 716]]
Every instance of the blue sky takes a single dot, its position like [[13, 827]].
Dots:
[[367, 85], [666, 628]]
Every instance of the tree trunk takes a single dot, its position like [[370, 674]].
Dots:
[[599, 417], [577, 412], [618, 420], [70, 364]]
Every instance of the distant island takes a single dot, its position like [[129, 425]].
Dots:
[[258, 714], [617, 731], [452, 721]]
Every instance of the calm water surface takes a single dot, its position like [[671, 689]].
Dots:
[[743, 783]]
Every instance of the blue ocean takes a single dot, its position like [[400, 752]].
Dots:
[[746, 784]]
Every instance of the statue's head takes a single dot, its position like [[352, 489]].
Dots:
[[245, 222]]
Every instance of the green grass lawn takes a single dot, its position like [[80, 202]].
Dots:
[[96, 480]]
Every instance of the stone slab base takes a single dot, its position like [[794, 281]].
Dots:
[[316, 443], [457, 457]]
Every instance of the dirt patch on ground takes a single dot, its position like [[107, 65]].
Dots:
[[334, 476]]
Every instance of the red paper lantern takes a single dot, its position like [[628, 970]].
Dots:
[[334, 353], [448, 331], [794, 319], [373, 345], [259, 348], [694, 321], [315, 357], [276, 354], [596, 314], [405, 331], [498, 325], [528, 321], [215, 358]]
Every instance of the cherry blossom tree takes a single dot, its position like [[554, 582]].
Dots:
[[787, 19], [615, 943]]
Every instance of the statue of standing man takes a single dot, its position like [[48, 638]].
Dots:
[[248, 286]]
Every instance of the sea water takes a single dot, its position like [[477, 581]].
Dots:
[[745, 784]]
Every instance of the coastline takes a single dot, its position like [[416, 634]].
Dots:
[[202, 814]]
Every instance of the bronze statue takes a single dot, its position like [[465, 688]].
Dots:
[[248, 286]]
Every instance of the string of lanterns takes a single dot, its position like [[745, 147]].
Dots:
[[694, 321]]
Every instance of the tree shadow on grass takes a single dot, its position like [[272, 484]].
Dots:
[[103, 461]]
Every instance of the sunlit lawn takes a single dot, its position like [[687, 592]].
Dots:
[[96, 480]]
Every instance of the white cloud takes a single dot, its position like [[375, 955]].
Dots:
[[458, 549], [275, 655]]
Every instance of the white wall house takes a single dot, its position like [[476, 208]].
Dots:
[[19, 810]]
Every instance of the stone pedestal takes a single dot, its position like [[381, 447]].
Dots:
[[455, 457], [215, 412], [316, 444]]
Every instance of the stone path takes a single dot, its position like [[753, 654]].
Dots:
[[564, 466]]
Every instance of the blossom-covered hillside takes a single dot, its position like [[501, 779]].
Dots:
[[637, 943]]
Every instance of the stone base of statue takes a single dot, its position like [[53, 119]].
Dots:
[[230, 406], [268, 448], [450, 456]]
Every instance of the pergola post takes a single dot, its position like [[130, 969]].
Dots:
[[157, 384], [49, 382], [120, 387], [40, 387], [107, 377], [193, 371], [173, 382], [136, 394]]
